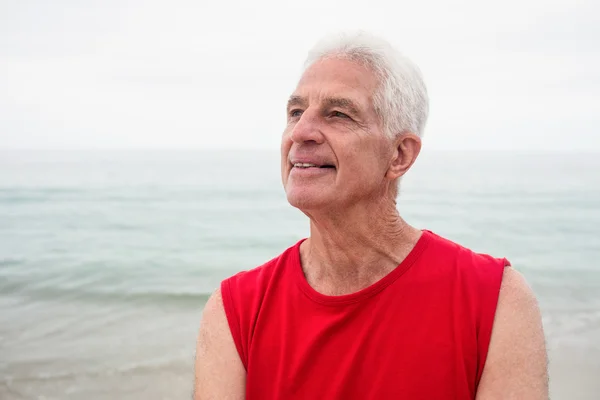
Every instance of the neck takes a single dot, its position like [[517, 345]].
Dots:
[[351, 249]]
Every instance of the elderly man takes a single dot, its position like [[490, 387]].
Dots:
[[367, 307]]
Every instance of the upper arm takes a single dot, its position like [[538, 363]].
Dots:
[[516, 365], [219, 372]]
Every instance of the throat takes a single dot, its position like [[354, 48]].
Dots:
[[333, 283], [348, 274], [336, 264]]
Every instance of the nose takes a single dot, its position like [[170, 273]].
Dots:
[[307, 129]]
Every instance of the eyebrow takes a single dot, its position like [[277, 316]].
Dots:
[[340, 102], [296, 101]]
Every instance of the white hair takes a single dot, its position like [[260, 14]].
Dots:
[[401, 99]]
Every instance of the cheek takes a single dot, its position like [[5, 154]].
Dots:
[[366, 167]]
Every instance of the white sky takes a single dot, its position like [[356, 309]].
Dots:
[[516, 74]]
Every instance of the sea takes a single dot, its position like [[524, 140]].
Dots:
[[108, 257]]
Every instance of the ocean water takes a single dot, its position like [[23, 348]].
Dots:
[[107, 258]]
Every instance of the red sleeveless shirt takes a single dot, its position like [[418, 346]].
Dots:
[[421, 332]]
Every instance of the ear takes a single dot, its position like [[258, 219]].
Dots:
[[407, 147]]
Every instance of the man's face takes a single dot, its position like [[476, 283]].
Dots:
[[333, 150]]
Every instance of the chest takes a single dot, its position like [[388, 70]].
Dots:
[[387, 347]]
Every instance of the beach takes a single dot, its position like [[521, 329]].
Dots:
[[107, 258]]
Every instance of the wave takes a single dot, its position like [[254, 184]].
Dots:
[[170, 364], [11, 262], [75, 295]]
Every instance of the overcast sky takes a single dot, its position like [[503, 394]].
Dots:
[[516, 74]]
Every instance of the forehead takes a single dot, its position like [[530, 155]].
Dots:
[[334, 77]]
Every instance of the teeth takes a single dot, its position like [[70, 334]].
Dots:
[[304, 165]]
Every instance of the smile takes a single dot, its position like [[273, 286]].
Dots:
[[308, 165]]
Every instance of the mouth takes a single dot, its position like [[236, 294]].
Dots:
[[309, 165]]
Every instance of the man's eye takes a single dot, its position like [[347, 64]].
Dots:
[[339, 115], [295, 113]]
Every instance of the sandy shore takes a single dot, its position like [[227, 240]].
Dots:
[[574, 375], [149, 384]]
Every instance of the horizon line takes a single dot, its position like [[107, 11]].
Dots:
[[276, 149]]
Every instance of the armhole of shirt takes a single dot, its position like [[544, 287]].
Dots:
[[490, 295], [233, 319]]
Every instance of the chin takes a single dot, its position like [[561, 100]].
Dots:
[[306, 199]]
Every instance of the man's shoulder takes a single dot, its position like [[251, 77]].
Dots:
[[451, 250], [474, 268], [244, 293]]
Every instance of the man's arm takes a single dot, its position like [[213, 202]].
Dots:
[[517, 364], [220, 374]]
